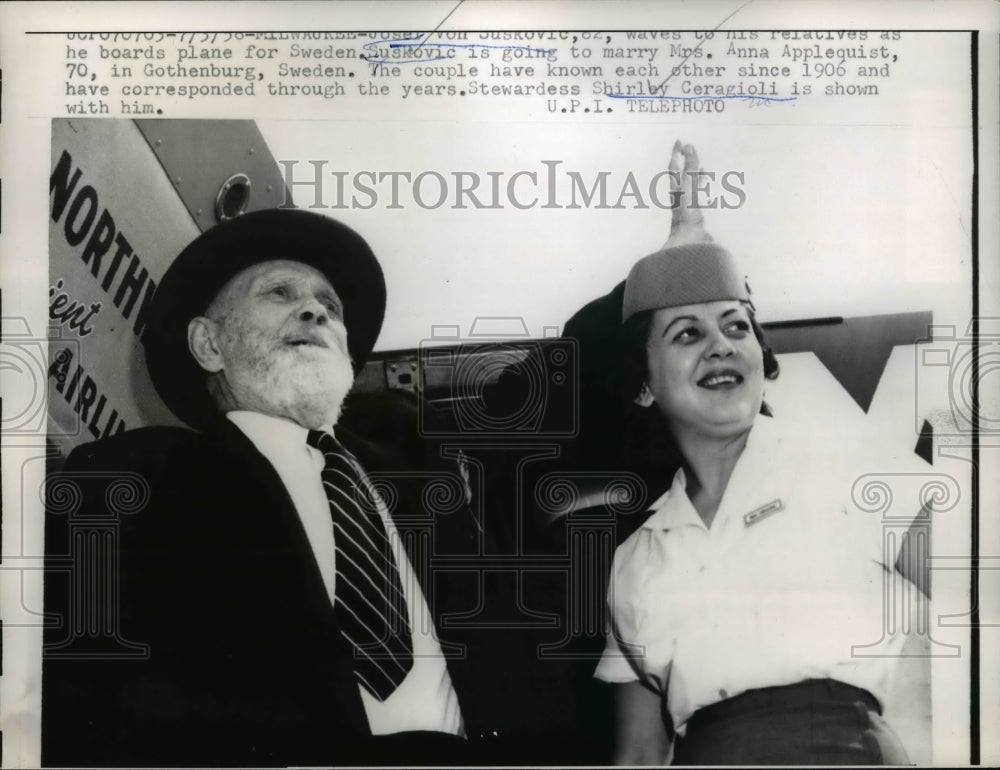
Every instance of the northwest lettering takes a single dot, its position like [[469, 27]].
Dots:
[[102, 246]]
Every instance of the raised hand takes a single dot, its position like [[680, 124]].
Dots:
[[687, 224]]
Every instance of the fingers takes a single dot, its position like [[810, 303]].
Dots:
[[687, 222], [685, 181], [683, 156], [677, 158], [691, 163]]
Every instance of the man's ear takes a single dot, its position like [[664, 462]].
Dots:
[[203, 343], [645, 397]]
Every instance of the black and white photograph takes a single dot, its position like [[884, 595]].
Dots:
[[499, 384]]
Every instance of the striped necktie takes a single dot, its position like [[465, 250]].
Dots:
[[369, 602]]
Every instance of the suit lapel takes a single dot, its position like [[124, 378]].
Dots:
[[265, 495], [258, 481], [240, 458]]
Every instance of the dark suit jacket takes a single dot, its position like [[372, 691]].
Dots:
[[244, 663]]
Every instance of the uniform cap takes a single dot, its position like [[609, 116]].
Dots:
[[683, 275]]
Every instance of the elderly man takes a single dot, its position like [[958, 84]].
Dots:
[[285, 624]]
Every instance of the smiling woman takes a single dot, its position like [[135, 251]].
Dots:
[[739, 604]]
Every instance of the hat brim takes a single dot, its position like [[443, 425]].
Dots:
[[208, 262]]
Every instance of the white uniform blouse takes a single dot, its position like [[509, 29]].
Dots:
[[794, 580]]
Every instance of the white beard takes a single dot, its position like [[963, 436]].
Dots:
[[304, 384], [315, 392]]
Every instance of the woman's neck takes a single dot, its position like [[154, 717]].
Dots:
[[709, 463]]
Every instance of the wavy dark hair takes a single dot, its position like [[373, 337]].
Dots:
[[648, 443]]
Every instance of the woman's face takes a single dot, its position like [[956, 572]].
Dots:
[[706, 369]]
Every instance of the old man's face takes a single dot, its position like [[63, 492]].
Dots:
[[275, 339]]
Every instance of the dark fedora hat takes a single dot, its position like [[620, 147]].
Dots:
[[210, 260]]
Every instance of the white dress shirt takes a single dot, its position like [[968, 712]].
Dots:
[[794, 579], [426, 699]]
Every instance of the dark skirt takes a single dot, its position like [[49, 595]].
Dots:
[[816, 722]]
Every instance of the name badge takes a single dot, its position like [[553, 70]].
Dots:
[[762, 513]]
